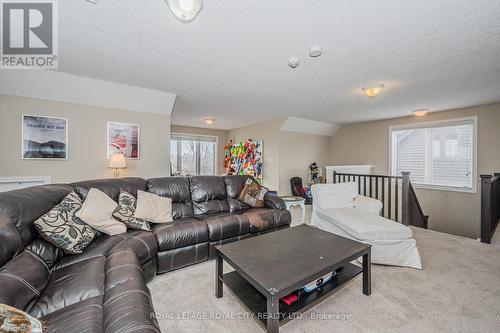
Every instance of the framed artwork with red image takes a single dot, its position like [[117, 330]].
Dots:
[[123, 138]]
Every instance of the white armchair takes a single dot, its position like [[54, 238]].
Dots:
[[368, 205], [343, 195], [339, 209]]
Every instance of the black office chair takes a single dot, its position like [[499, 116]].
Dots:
[[298, 190]]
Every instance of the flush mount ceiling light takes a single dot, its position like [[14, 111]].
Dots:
[[373, 90], [185, 10], [315, 52], [293, 62], [420, 112], [209, 121]]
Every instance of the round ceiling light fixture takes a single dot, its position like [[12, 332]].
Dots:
[[373, 90], [185, 10], [209, 120], [420, 112], [315, 52], [293, 62]]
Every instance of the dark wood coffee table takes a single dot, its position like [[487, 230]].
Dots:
[[271, 266]]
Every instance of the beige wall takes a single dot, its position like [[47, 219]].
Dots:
[[453, 212], [297, 152], [87, 141], [286, 154], [221, 139], [267, 132]]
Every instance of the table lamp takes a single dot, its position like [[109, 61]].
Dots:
[[117, 162]]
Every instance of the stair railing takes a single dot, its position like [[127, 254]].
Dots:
[[400, 202], [490, 205]]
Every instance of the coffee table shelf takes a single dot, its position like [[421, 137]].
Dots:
[[256, 303]]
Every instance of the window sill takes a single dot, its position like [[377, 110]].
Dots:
[[445, 188]]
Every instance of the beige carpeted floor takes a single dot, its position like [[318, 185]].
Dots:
[[458, 290]]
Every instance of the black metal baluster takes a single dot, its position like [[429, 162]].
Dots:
[[364, 186], [389, 197], [384, 207], [396, 194]]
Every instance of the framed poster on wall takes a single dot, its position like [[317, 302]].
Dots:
[[123, 138], [44, 138]]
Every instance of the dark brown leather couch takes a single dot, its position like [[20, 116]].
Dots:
[[104, 289]]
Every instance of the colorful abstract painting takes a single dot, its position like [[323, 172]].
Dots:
[[245, 158]]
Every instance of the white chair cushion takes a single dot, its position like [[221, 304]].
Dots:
[[335, 195], [365, 226]]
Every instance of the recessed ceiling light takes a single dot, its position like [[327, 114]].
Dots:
[[420, 112], [185, 10], [373, 90], [315, 52], [209, 121], [293, 62]]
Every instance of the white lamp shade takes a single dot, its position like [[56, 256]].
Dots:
[[117, 161]]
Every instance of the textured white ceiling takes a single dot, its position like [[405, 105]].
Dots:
[[231, 62]]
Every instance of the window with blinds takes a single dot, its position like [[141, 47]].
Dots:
[[439, 155], [193, 155]]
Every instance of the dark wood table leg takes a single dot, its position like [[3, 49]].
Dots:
[[218, 277], [273, 312], [367, 273]]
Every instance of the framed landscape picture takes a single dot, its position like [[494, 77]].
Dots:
[[44, 137], [123, 138]]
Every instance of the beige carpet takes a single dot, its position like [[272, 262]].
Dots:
[[457, 291]]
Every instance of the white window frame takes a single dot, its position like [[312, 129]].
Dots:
[[202, 136], [440, 123]]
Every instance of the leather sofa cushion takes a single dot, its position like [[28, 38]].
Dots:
[[85, 316], [262, 219], [128, 308], [121, 267], [208, 194], [70, 285], [234, 185], [182, 257], [112, 187], [100, 246], [180, 233], [175, 188], [10, 240], [48, 252], [226, 225], [273, 201], [22, 280], [142, 243], [24, 206]]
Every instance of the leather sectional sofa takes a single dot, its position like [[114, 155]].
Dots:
[[104, 289]]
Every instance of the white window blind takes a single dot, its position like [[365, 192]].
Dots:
[[193, 155], [439, 155]]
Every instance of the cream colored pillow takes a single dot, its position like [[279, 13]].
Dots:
[[153, 208], [97, 211]]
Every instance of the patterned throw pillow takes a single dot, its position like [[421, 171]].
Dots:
[[63, 229], [125, 212], [253, 194], [15, 321]]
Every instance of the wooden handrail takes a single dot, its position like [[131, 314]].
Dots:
[[386, 189]]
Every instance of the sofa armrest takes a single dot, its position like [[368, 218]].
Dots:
[[274, 202], [369, 205]]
